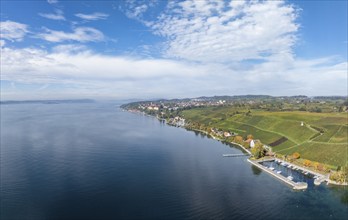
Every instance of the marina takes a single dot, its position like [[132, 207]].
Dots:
[[297, 177]]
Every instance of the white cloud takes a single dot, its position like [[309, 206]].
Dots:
[[52, 1], [136, 9], [87, 73], [92, 17], [81, 34], [211, 31], [13, 31], [225, 39], [2, 43], [57, 16]]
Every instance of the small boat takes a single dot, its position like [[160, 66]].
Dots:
[[306, 173], [271, 168], [293, 168], [290, 178], [279, 171], [283, 164], [289, 166], [317, 182]]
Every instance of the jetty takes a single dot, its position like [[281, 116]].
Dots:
[[294, 185], [235, 155]]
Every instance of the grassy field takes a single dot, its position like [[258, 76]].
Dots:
[[330, 147]]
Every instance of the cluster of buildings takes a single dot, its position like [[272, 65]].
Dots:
[[177, 121], [175, 105]]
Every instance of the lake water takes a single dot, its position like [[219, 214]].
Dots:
[[95, 161]]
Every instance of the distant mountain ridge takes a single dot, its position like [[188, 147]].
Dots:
[[245, 97]]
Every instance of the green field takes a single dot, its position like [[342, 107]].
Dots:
[[330, 147]]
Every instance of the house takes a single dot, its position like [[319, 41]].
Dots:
[[252, 143], [227, 134], [155, 108]]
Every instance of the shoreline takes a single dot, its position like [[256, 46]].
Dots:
[[216, 138], [327, 179]]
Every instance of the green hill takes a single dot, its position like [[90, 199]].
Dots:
[[323, 136]]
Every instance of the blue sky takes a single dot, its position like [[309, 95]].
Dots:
[[160, 49]]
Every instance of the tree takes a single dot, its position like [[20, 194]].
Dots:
[[258, 151], [340, 176], [238, 139], [340, 109], [307, 163], [315, 165], [250, 136], [320, 167], [296, 155]]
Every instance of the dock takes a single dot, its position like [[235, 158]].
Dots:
[[321, 178], [235, 155], [294, 185]]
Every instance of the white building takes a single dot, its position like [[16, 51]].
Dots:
[[252, 143]]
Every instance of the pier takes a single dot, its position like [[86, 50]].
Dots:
[[235, 155], [295, 185]]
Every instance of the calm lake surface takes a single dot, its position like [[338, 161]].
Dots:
[[95, 161]]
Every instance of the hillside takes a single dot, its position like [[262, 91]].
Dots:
[[323, 137]]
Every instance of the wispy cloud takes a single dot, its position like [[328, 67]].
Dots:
[[70, 48], [2, 43], [213, 31], [92, 17], [81, 34], [52, 1], [59, 15], [13, 31], [135, 9]]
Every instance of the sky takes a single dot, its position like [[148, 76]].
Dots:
[[146, 49]]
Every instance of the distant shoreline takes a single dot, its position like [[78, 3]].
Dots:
[[53, 101]]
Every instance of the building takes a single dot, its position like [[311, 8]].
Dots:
[[227, 134], [252, 143]]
